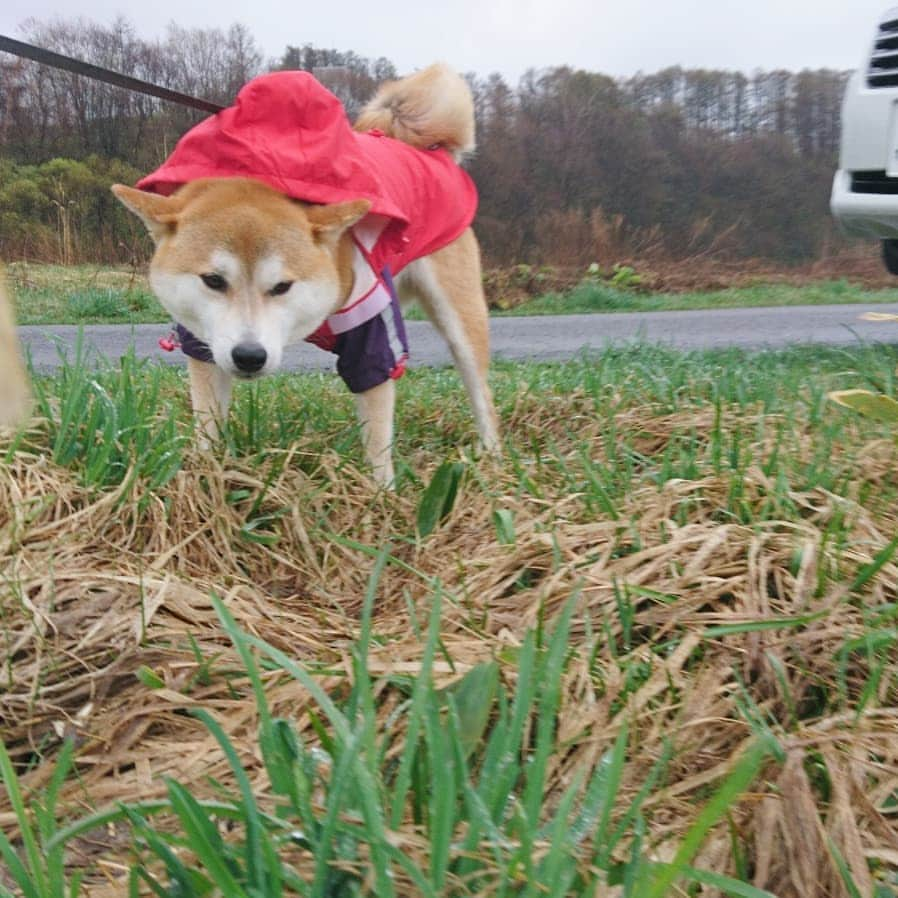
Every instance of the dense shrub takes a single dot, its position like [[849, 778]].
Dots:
[[63, 211]]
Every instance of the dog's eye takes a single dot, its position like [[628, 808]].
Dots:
[[214, 281], [280, 288]]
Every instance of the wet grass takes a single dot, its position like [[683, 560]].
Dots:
[[648, 652], [598, 297], [82, 294]]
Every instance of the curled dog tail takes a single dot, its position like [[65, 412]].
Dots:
[[433, 107], [15, 395]]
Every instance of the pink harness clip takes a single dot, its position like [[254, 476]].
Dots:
[[169, 343]]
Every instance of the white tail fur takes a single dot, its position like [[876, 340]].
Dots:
[[433, 107]]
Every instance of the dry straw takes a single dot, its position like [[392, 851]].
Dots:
[[99, 586]]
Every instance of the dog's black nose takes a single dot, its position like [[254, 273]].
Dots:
[[249, 357]]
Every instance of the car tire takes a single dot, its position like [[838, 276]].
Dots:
[[890, 255]]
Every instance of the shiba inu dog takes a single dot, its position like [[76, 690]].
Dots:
[[275, 222]]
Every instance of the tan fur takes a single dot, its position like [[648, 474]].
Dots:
[[434, 107], [449, 288], [15, 393], [245, 228], [202, 215], [375, 409], [210, 396], [431, 108]]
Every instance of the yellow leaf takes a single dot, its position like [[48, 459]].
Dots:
[[870, 405]]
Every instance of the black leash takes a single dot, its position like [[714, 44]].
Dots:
[[58, 61]]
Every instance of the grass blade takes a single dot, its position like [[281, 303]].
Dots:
[[736, 783]]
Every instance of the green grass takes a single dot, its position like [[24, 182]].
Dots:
[[118, 423], [82, 294], [475, 765], [597, 297], [465, 762], [52, 294]]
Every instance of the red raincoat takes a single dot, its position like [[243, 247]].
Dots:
[[289, 131]]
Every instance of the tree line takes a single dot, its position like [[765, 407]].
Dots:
[[572, 166]]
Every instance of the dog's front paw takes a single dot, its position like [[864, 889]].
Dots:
[[384, 476], [207, 433]]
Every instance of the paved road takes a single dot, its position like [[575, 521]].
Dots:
[[532, 338]]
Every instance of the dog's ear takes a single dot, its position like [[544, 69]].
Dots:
[[158, 213], [330, 221]]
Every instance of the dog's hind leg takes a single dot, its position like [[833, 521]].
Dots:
[[448, 286], [210, 396], [375, 408]]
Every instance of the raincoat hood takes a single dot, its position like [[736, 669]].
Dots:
[[290, 132]]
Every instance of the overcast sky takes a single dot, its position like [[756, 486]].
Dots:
[[509, 36]]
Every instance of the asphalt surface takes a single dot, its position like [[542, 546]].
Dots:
[[545, 338]]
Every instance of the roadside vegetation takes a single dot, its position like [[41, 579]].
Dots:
[[650, 651], [82, 294], [89, 294], [589, 296]]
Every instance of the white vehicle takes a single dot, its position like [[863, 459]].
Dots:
[[865, 189]]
